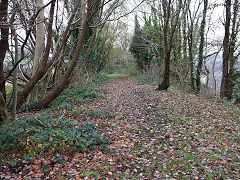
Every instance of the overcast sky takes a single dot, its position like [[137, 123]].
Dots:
[[216, 16]]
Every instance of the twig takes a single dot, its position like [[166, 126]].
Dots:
[[40, 122]]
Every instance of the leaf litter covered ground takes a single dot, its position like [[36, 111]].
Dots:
[[154, 135]]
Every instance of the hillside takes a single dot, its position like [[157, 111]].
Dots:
[[151, 135]]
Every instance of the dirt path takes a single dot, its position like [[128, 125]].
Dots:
[[153, 135], [163, 135], [139, 123]]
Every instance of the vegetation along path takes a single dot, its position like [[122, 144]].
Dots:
[[170, 134], [153, 135]]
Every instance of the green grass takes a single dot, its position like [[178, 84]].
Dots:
[[8, 88], [91, 173], [121, 70], [148, 79], [115, 75]]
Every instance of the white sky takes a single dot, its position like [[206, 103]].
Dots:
[[216, 30], [217, 13]]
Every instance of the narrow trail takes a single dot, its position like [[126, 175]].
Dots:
[[128, 98], [139, 124], [154, 142], [153, 135]]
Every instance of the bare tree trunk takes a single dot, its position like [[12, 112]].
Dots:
[[3, 43], [14, 62], [38, 49], [43, 66], [167, 13], [168, 40], [14, 104], [225, 66], [58, 70], [190, 46], [166, 82], [4, 117], [213, 73], [191, 42], [207, 74], [69, 72], [45, 83]]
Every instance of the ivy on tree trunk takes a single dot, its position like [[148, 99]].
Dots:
[[225, 66], [3, 42], [201, 48]]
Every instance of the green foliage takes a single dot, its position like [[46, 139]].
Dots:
[[146, 42], [55, 131], [117, 75], [139, 49], [99, 80], [131, 71], [201, 47], [8, 89], [109, 71], [148, 79], [75, 96], [90, 55], [235, 80], [94, 61], [120, 70], [49, 133]]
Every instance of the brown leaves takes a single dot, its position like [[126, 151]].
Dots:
[[225, 143], [154, 135]]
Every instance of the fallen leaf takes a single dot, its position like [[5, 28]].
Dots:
[[224, 143]]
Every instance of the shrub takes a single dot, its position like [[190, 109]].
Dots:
[[148, 79], [55, 131], [47, 133], [75, 96]]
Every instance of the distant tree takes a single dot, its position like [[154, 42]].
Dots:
[[136, 44], [143, 43]]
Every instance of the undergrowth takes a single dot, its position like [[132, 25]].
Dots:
[[121, 70], [49, 133], [59, 128], [148, 79], [75, 95]]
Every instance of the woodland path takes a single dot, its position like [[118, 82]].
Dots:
[[153, 135], [171, 134], [140, 126]]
